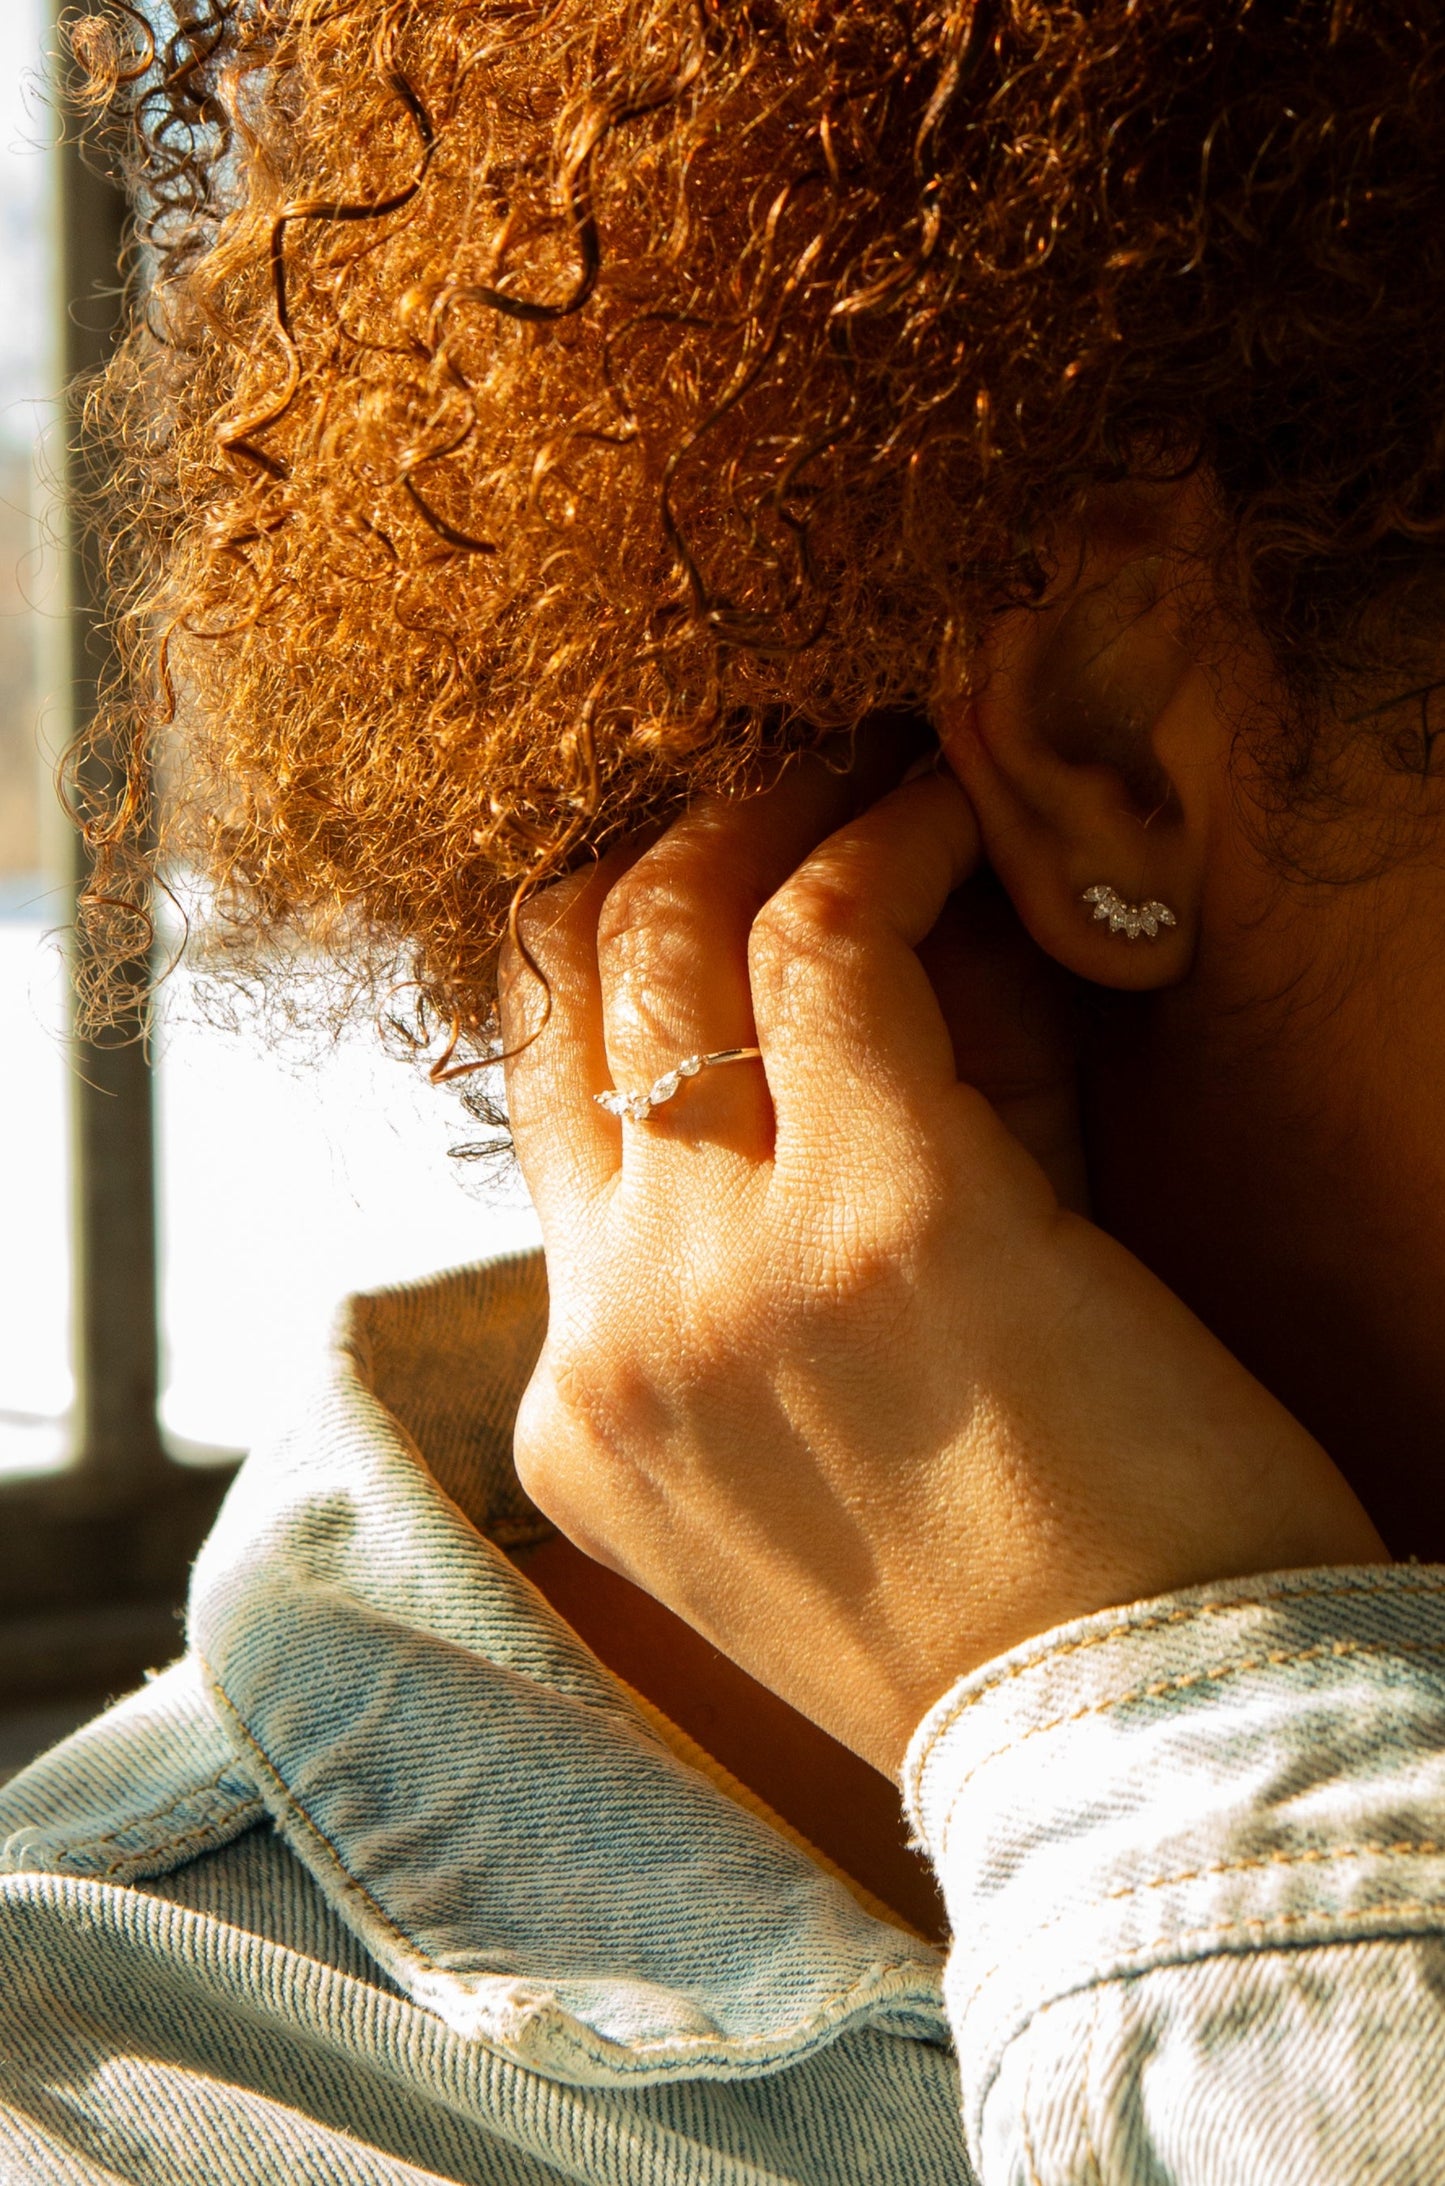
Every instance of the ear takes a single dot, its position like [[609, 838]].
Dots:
[[1089, 741]]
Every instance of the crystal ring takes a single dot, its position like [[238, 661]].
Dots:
[[637, 1107]]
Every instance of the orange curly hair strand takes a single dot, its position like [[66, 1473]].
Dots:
[[538, 410]]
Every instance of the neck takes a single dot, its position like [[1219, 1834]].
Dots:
[[1271, 1145]]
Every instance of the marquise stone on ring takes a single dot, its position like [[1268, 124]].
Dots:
[[637, 1107]]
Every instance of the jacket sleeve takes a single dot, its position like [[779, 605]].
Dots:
[[1194, 1858]]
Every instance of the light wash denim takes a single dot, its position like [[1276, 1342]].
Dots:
[[389, 1880]]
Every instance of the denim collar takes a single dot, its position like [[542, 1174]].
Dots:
[[478, 1796]]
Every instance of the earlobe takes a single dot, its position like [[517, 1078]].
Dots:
[[1085, 737]]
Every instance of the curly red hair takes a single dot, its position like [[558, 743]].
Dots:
[[537, 410]]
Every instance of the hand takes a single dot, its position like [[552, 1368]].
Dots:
[[830, 1369]]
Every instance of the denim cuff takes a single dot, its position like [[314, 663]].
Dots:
[[1250, 1765]]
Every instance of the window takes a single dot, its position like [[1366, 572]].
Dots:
[[183, 1214], [35, 1379]]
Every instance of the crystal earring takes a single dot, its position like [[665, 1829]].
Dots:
[[1129, 919]]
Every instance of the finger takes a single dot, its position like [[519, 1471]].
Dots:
[[672, 940], [848, 1022], [551, 1021]]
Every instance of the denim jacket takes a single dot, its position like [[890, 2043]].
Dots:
[[389, 1880]]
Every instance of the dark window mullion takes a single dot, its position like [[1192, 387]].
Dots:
[[116, 1435], [94, 1558]]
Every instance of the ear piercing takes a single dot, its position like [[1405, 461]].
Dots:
[[1129, 919]]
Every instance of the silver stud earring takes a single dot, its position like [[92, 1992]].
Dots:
[[1129, 919]]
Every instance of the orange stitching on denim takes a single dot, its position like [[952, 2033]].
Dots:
[[1126, 1629], [398, 1935], [113, 1836], [1403, 1908], [682, 2045], [1400, 1909], [1425, 1848], [189, 1840], [1275, 1658], [144, 1821]]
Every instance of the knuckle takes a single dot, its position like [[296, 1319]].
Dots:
[[875, 1237], [816, 916], [547, 912], [544, 946], [548, 1447], [653, 929], [577, 1434], [635, 912]]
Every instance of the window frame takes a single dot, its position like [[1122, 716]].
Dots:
[[94, 1556]]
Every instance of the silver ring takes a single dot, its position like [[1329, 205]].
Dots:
[[637, 1107]]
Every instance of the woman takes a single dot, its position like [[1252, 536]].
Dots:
[[992, 1195]]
